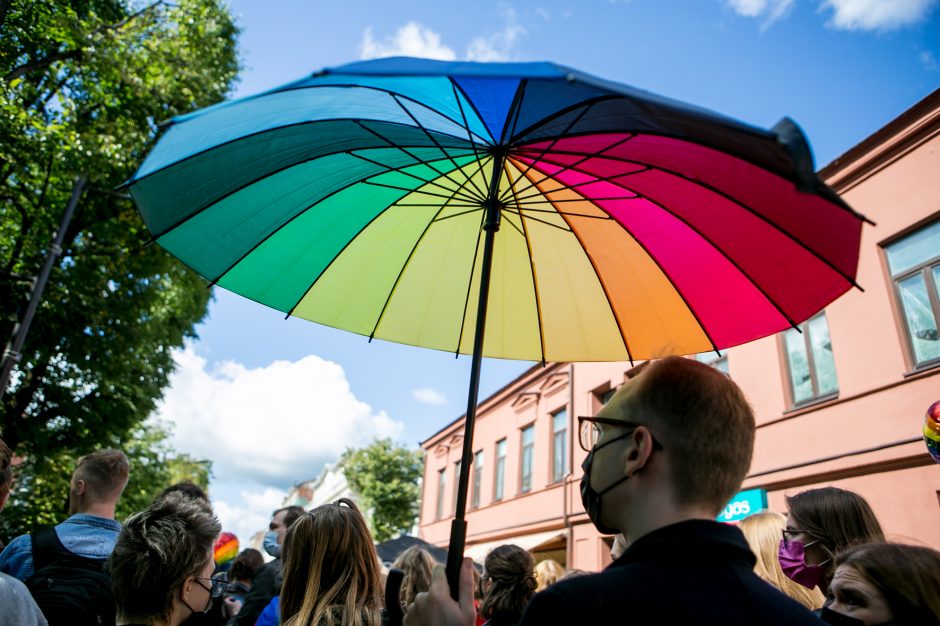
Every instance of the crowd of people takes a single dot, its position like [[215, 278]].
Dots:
[[646, 482]]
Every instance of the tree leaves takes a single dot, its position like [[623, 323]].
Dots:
[[386, 476], [83, 85]]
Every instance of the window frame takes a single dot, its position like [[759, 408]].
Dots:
[[441, 491], [476, 479], [522, 447], [564, 448], [816, 397], [499, 481], [456, 484], [925, 270]]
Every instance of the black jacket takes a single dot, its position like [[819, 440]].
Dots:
[[265, 584], [691, 573]]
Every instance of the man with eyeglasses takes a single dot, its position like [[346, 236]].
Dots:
[[664, 457], [161, 567]]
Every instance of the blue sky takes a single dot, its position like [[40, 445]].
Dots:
[[270, 401]]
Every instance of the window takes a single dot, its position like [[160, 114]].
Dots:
[[441, 483], [720, 363], [456, 483], [914, 263], [810, 363], [605, 397], [500, 473], [559, 445], [477, 478], [528, 443]]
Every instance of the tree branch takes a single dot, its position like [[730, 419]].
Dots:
[[40, 64]]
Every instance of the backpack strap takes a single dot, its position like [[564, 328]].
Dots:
[[46, 547]]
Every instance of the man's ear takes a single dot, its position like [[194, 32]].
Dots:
[[185, 588], [80, 487], [639, 453]]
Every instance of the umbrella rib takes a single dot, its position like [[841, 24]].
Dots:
[[473, 145], [564, 111], [534, 184], [447, 217], [404, 266], [426, 193], [393, 145], [523, 173], [421, 126], [189, 157], [604, 179], [401, 170], [568, 213], [720, 251], [835, 199], [737, 202], [466, 302], [374, 88], [513, 224], [515, 110], [333, 260], [181, 221], [254, 247], [540, 221], [610, 305], [535, 285]]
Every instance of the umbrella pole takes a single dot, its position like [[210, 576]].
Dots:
[[458, 527]]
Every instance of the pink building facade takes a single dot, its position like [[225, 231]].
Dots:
[[841, 404]]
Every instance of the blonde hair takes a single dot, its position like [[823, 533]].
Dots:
[[331, 570], [418, 565], [547, 572], [762, 531]]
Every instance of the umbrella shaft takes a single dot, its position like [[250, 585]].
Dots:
[[458, 528]]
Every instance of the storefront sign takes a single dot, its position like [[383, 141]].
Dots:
[[743, 504]]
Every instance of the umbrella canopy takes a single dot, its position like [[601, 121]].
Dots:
[[631, 226], [368, 197]]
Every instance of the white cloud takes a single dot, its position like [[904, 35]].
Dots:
[[876, 14], [412, 39], [251, 515], [769, 11], [416, 40], [929, 61], [274, 425], [429, 396], [501, 45]]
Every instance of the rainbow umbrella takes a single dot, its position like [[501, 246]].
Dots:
[[368, 197]]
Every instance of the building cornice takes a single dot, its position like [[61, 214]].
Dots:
[[912, 128], [513, 387]]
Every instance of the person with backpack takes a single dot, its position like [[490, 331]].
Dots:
[[17, 607], [63, 566]]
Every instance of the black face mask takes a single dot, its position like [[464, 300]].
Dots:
[[208, 605], [590, 498]]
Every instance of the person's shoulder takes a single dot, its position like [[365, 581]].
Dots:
[[18, 605], [564, 600]]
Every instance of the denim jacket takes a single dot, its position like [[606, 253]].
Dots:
[[85, 535]]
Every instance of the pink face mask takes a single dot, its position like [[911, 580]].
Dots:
[[792, 557]]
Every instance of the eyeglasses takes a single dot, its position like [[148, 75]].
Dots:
[[216, 586], [789, 534], [590, 430]]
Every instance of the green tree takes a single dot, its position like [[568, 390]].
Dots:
[[40, 493], [386, 476], [83, 85]]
